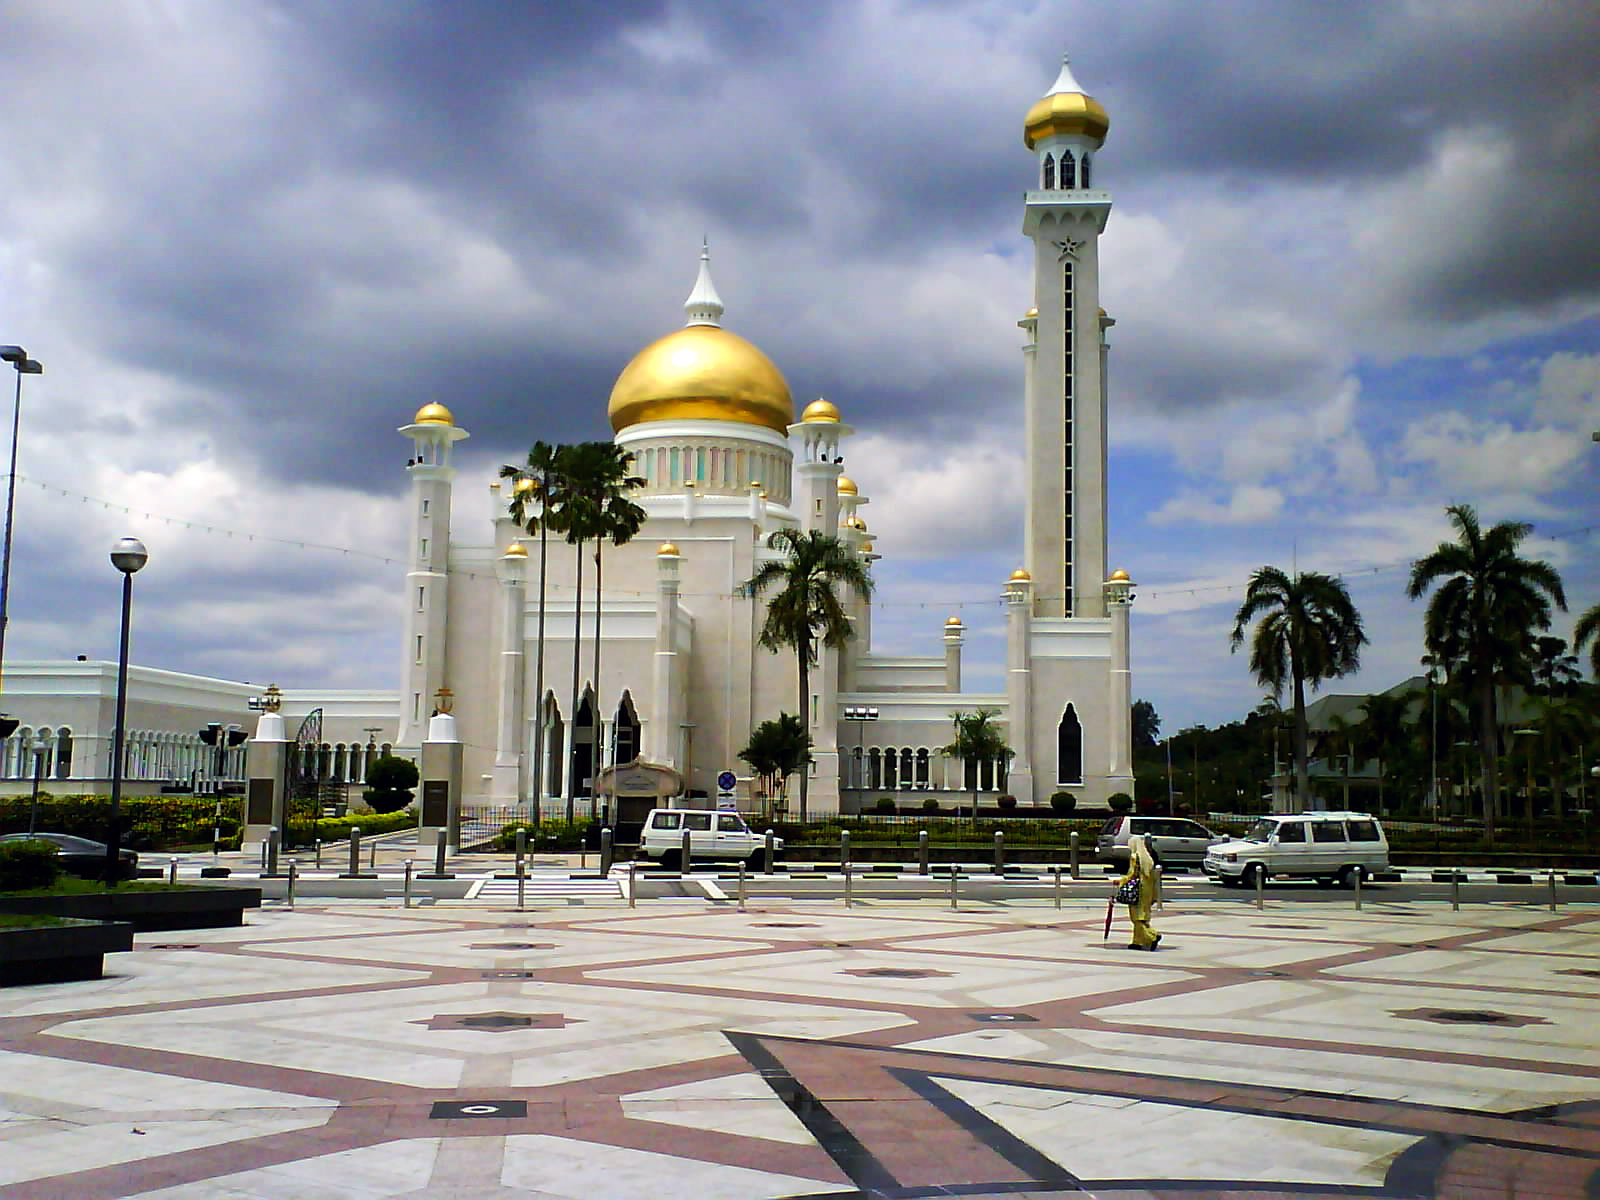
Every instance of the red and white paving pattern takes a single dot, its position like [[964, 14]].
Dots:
[[813, 1051]]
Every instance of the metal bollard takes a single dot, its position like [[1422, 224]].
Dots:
[[1455, 891], [294, 874], [605, 851], [172, 870], [372, 855], [263, 855], [922, 852], [633, 883], [1359, 875], [522, 848], [741, 887], [685, 856], [406, 901], [1261, 888], [955, 871], [847, 885], [1058, 885], [999, 853], [319, 852], [1161, 896], [844, 849], [273, 837], [771, 850], [522, 877], [1073, 843], [355, 851], [1552, 889], [438, 856]]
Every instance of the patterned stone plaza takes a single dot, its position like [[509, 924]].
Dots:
[[686, 1049]]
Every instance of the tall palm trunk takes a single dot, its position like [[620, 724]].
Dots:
[[572, 726], [598, 757], [1488, 750], [538, 674], [1302, 768], [805, 723]]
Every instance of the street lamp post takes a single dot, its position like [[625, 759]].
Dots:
[[18, 358], [128, 555], [860, 715], [38, 745]]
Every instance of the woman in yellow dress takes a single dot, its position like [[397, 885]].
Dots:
[[1142, 866]]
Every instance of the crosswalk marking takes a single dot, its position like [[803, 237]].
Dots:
[[546, 886]]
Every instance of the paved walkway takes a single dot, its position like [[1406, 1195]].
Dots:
[[806, 1051]]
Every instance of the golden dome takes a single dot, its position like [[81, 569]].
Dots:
[[515, 550], [952, 622], [1120, 576], [1066, 111], [433, 414], [1030, 314], [1020, 576], [866, 547], [523, 486], [701, 372], [846, 486], [666, 550], [820, 410]]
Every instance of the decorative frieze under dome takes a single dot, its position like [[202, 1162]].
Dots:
[[721, 458]]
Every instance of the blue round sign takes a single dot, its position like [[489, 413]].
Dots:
[[726, 780]]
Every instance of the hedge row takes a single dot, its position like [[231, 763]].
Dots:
[[546, 836], [148, 820]]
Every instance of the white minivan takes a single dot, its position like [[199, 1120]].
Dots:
[[1325, 846], [713, 837]]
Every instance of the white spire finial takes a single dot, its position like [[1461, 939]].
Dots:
[[704, 306], [1064, 81]]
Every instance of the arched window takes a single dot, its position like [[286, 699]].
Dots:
[[874, 768], [63, 753], [1086, 169], [891, 769], [908, 770], [856, 779], [583, 745], [1049, 172], [625, 732], [554, 741], [922, 768], [1069, 748], [1069, 170]]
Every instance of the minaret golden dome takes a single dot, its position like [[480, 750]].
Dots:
[[952, 622], [433, 414], [1064, 111], [515, 550], [846, 486], [1020, 576], [705, 373], [1119, 576], [666, 550], [820, 410]]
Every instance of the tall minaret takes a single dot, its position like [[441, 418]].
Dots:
[[1064, 215], [432, 432]]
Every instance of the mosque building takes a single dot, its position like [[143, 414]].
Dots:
[[713, 430]]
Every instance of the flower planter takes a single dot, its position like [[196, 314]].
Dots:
[[58, 953]]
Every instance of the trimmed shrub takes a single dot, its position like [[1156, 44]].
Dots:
[[1062, 803], [1119, 803], [930, 805], [27, 865], [885, 804], [390, 783], [546, 836], [1006, 803]]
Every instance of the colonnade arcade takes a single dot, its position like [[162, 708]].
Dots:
[[919, 768]]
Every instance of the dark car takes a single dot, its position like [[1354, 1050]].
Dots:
[[80, 856]]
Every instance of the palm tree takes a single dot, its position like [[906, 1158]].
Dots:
[[1589, 627], [535, 503], [1554, 671], [1566, 724], [978, 740], [1309, 631], [777, 749], [1339, 740], [1384, 733], [805, 605], [596, 509], [1479, 620]]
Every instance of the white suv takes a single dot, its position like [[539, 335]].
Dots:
[[713, 837], [1325, 846]]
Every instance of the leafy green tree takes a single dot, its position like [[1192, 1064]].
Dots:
[[1384, 734], [1309, 631], [978, 740], [804, 609], [1565, 725], [1488, 603], [535, 502], [1339, 741], [777, 749], [1553, 670], [390, 783], [1146, 724], [1589, 627]]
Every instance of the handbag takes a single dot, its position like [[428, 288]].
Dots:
[[1128, 892]]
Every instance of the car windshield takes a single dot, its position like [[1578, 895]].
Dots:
[[1261, 831]]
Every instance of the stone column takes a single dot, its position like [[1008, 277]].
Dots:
[[441, 780], [1119, 700], [266, 770], [661, 735], [510, 765], [1019, 682], [954, 633]]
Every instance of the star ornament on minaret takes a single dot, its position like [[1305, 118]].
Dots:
[[1069, 249]]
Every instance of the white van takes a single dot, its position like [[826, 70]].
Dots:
[[1325, 846], [713, 837]]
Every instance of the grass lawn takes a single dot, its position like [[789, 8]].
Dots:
[[29, 920], [71, 885]]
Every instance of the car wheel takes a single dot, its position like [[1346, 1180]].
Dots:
[[1253, 875], [1349, 875], [757, 860], [672, 859], [1325, 881], [1228, 880]]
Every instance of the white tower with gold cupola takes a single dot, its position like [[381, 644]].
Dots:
[[433, 432], [1064, 215]]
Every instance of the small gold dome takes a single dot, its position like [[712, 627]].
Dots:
[[1020, 576], [1066, 111], [1031, 314], [705, 373], [523, 486], [952, 622], [433, 414], [846, 486], [666, 550], [820, 410], [866, 547], [515, 550], [1120, 576]]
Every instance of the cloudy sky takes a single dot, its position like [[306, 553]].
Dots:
[[1352, 262]]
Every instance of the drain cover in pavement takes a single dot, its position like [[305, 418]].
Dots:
[[785, 924], [512, 946], [455, 1110], [1002, 1018], [1466, 1016], [897, 973], [508, 975]]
